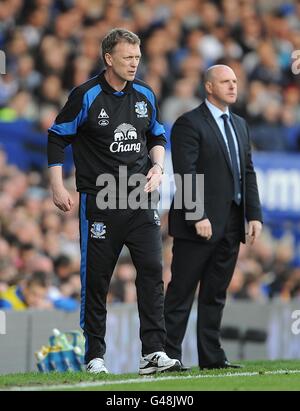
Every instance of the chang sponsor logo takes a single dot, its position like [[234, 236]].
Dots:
[[125, 139]]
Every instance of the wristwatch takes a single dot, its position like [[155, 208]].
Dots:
[[161, 167]]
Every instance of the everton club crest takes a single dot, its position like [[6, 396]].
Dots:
[[141, 109], [98, 230]]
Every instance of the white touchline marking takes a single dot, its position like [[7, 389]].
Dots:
[[148, 379]]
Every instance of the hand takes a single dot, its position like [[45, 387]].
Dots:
[[254, 230], [204, 228], [62, 199], [154, 178]]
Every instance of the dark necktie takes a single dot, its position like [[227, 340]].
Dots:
[[234, 163]]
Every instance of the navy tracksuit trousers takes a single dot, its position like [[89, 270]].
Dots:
[[102, 236]]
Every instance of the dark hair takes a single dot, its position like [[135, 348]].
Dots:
[[62, 261], [116, 36], [38, 278], [26, 247]]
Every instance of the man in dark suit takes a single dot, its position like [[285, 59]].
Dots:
[[215, 142]]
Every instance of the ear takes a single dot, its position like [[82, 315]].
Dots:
[[108, 59], [208, 87]]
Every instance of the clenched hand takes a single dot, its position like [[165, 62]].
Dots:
[[204, 228], [62, 199], [254, 230]]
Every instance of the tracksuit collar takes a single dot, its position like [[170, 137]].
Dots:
[[108, 89]]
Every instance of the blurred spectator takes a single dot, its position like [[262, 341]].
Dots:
[[267, 69], [51, 91], [8, 88], [28, 77], [20, 106], [181, 101], [63, 269], [269, 134], [32, 293]]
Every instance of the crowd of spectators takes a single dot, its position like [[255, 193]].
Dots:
[[36, 239], [52, 46]]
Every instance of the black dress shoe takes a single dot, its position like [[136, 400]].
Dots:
[[225, 364]]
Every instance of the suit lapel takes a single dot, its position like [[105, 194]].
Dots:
[[214, 126]]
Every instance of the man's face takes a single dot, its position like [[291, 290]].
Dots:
[[35, 295], [124, 60], [223, 86]]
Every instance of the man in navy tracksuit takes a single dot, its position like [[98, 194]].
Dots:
[[112, 120]]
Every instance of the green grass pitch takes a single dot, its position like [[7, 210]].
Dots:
[[255, 375]]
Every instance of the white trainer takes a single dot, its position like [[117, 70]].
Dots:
[[96, 366], [158, 362]]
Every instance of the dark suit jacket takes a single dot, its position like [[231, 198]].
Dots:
[[198, 147]]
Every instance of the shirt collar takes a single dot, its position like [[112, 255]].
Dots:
[[20, 295], [108, 89], [215, 111]]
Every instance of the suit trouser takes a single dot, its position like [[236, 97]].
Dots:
[[139, 230], [212, 264]]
